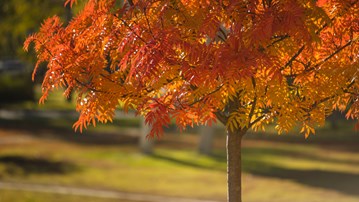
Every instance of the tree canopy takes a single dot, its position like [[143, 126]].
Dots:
[[246, 63]]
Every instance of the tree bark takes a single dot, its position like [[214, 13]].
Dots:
[[234, 169]]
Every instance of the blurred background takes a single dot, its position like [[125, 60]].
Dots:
[[43, 159]]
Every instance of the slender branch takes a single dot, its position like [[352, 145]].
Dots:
[[148, 23], [221, 117], [329, 97], [317, 32], [325, 59], [305, 65], [130, 2], [210, 93], [281, 38], [223, 32], [87, 86], [293, 57], [254, 102], [334, 53], [252, 110], [332, 19], [222, 39], [351, 93], [129, 27], [256, 120]]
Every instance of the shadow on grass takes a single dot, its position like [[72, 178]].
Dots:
[[19, 165], [346, 183], [62, 130], [191, 163], [254, 153]]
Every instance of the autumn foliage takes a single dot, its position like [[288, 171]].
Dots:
[[247, 63]]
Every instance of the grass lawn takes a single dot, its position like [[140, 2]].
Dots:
[[286, 168], [275, 170], [324, 167]]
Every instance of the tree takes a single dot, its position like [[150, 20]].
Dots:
[[206, 134], [245, 63], [18, 19]]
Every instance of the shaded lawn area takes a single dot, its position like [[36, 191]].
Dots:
[[61, 129], [56, 100]]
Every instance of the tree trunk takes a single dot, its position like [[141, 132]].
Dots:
[[146, 144], [234, 170], [206, 139]]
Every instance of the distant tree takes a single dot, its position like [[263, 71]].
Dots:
[[18, 19], [145, 144], [245, 63], [206, 134]]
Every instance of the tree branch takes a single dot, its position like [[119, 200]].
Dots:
[[148, 23], [325, 59], [210, 93], [329, 97], [254, 103], [281, 38], [293, 57], [302, 47], [256, 120], [334, 53], [130, 2], [221, 117], [129, 27]]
